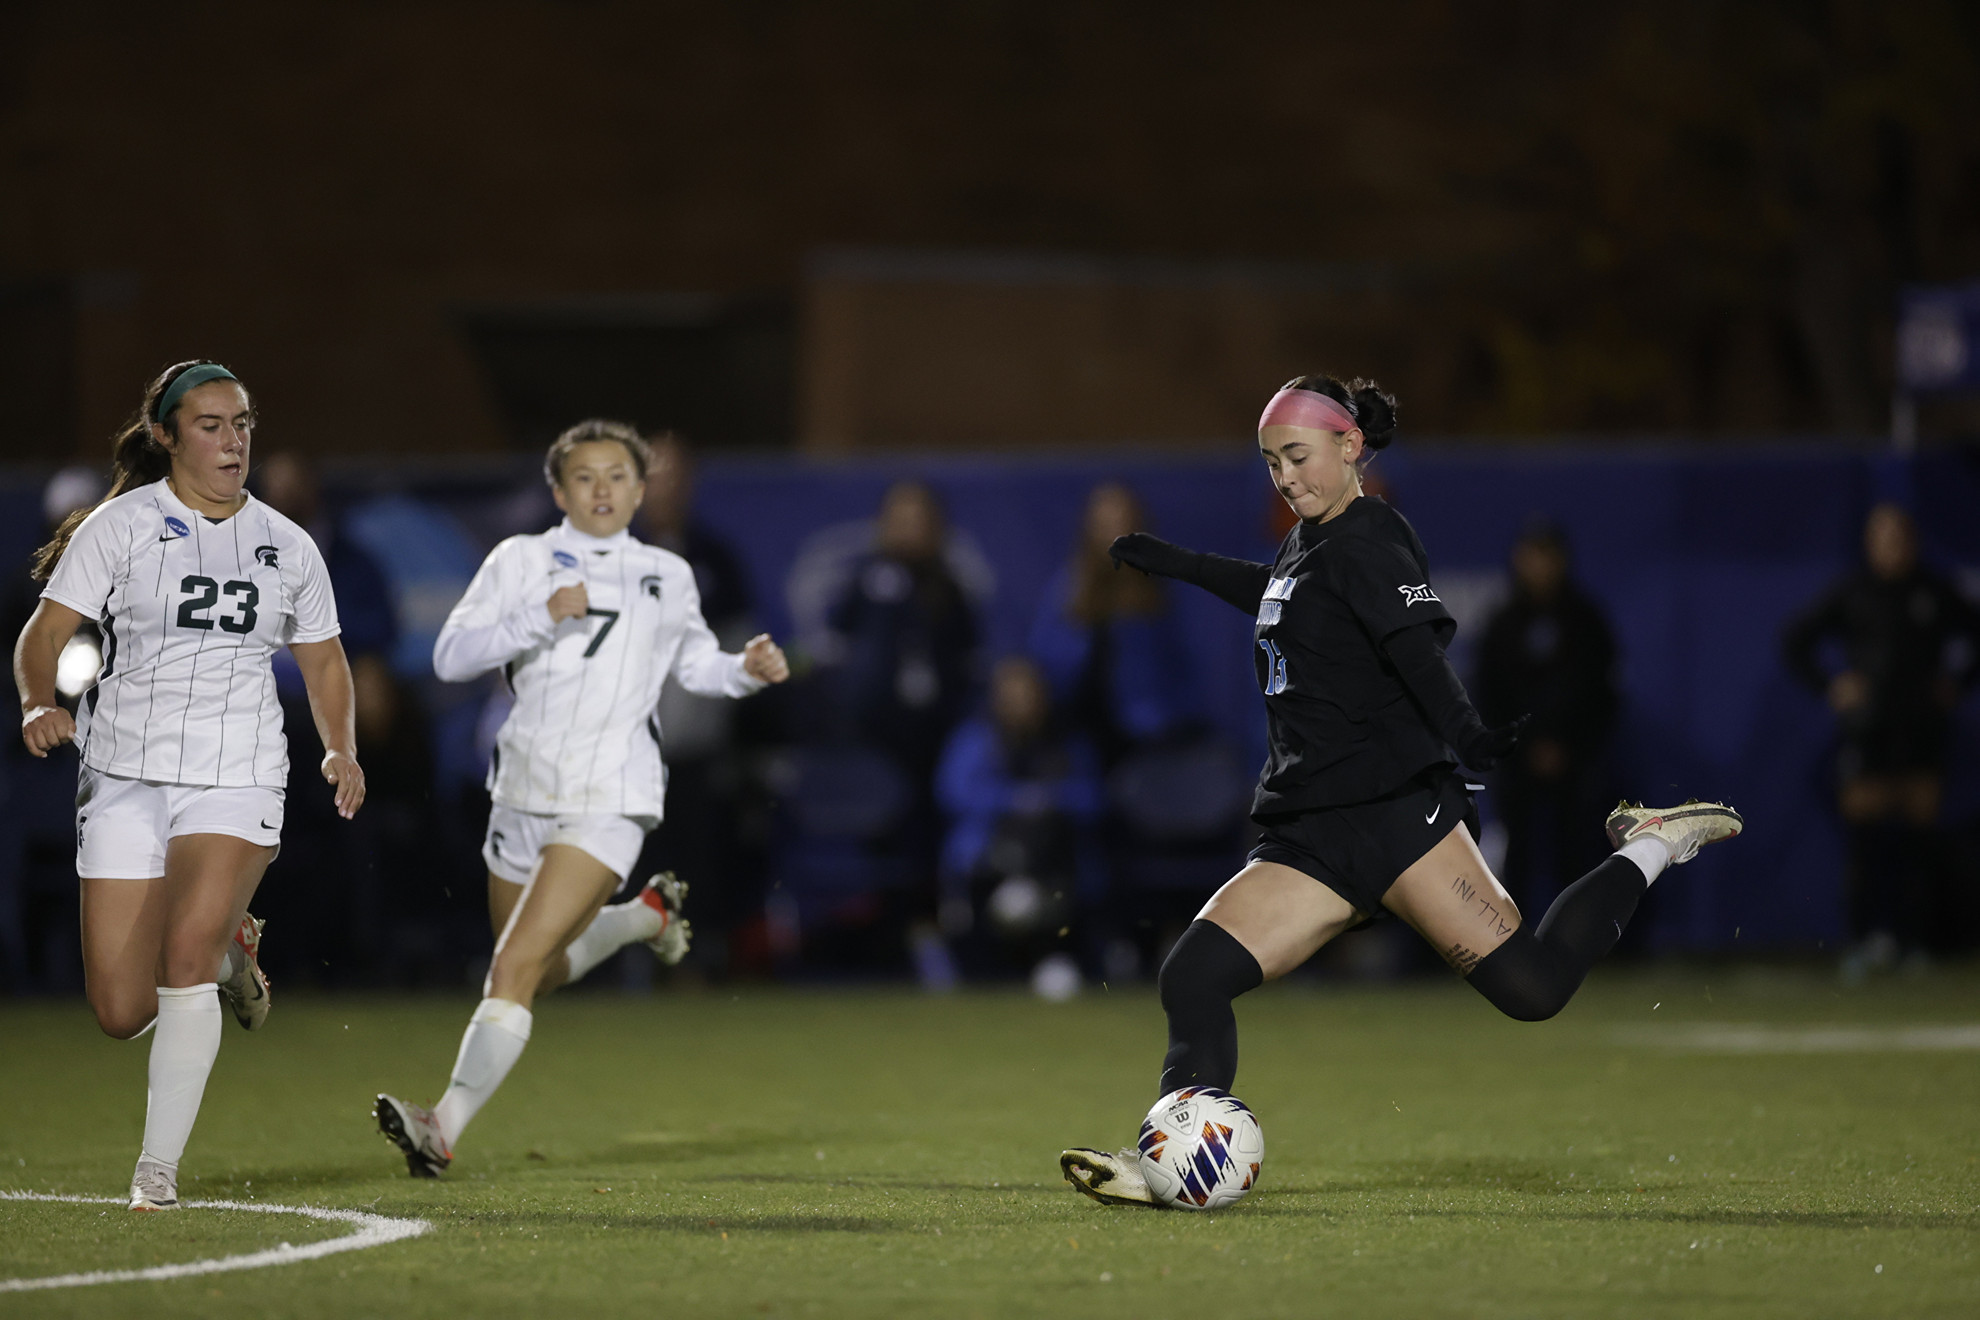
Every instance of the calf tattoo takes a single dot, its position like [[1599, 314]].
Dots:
[[1461, 959]]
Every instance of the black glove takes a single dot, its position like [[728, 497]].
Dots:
[[1485, 749], [1151, 554]]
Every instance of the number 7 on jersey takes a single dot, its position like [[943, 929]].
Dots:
[[611, 617]]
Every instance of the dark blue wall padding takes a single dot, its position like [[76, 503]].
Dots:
[[1699, 554]]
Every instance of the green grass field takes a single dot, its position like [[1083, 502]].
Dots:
[[867, 1153]]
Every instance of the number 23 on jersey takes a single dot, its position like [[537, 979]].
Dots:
[[237, 615]]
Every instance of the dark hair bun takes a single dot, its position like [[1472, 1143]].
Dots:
[[1376, 411]]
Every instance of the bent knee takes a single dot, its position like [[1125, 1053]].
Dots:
[[124, 1019], [1533, 1011], [1523, 999]]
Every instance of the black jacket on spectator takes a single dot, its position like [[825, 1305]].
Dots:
[[910, 646], [1555, 660], [1915, 641]]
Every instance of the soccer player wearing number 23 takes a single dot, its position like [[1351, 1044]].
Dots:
[[585, 624], [179, 796]]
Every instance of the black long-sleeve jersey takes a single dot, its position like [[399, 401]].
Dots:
[[1359, 698]]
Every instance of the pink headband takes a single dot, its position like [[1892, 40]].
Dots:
[[1296, 407]]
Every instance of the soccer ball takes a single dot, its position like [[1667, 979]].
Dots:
[[1201, 1148]]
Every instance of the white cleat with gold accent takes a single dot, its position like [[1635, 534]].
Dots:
[[1683, 829], [1111, 1179]]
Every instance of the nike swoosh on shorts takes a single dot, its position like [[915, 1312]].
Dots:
[[1431, 819]]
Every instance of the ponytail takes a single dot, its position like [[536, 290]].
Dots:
[[136, 459]]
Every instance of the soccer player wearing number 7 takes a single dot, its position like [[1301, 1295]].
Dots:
[[585, 624], [1363, 807], [179, 797]]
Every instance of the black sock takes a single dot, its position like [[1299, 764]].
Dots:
[[1537, 970], [1206, 970]]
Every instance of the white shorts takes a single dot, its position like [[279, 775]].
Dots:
[[123, 825], [516, 840]]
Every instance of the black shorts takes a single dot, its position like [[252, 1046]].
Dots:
[[1359, 851]]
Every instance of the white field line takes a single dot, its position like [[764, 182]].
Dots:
[[373, 1231], [1758, 1038]]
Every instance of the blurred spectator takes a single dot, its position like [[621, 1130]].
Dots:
[[702, 838], [1549, 651], [37, 795], [1908, 644], [1107, 641], [905, 638], [1023, 798], [666, 519], [323, 898], [908, 635], [364, 604]]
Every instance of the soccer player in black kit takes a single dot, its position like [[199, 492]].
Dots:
[[1361, 801]]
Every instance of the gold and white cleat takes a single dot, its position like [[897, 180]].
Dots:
[[1683, 829], [666, 894], [1111, 1179], [246, 991]]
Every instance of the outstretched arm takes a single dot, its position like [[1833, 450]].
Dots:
[[1426, 671], [1237, 581]]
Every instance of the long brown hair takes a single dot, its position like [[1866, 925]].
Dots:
[[136, 459]]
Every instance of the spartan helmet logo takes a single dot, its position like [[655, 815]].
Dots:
[[266, 554], [651, 586]]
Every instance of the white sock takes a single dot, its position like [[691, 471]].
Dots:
[[182, 1055], [611, 930], [490, 1047], [1650, 854]]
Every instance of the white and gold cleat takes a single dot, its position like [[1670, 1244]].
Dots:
[[1683, 829], [666, 894], [1111, 1179], [155, 1185], [246, 991]]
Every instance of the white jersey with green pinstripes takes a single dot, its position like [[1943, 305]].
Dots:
[[584, 735], [191, 609]]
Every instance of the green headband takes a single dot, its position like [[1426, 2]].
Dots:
[[188, 379]]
